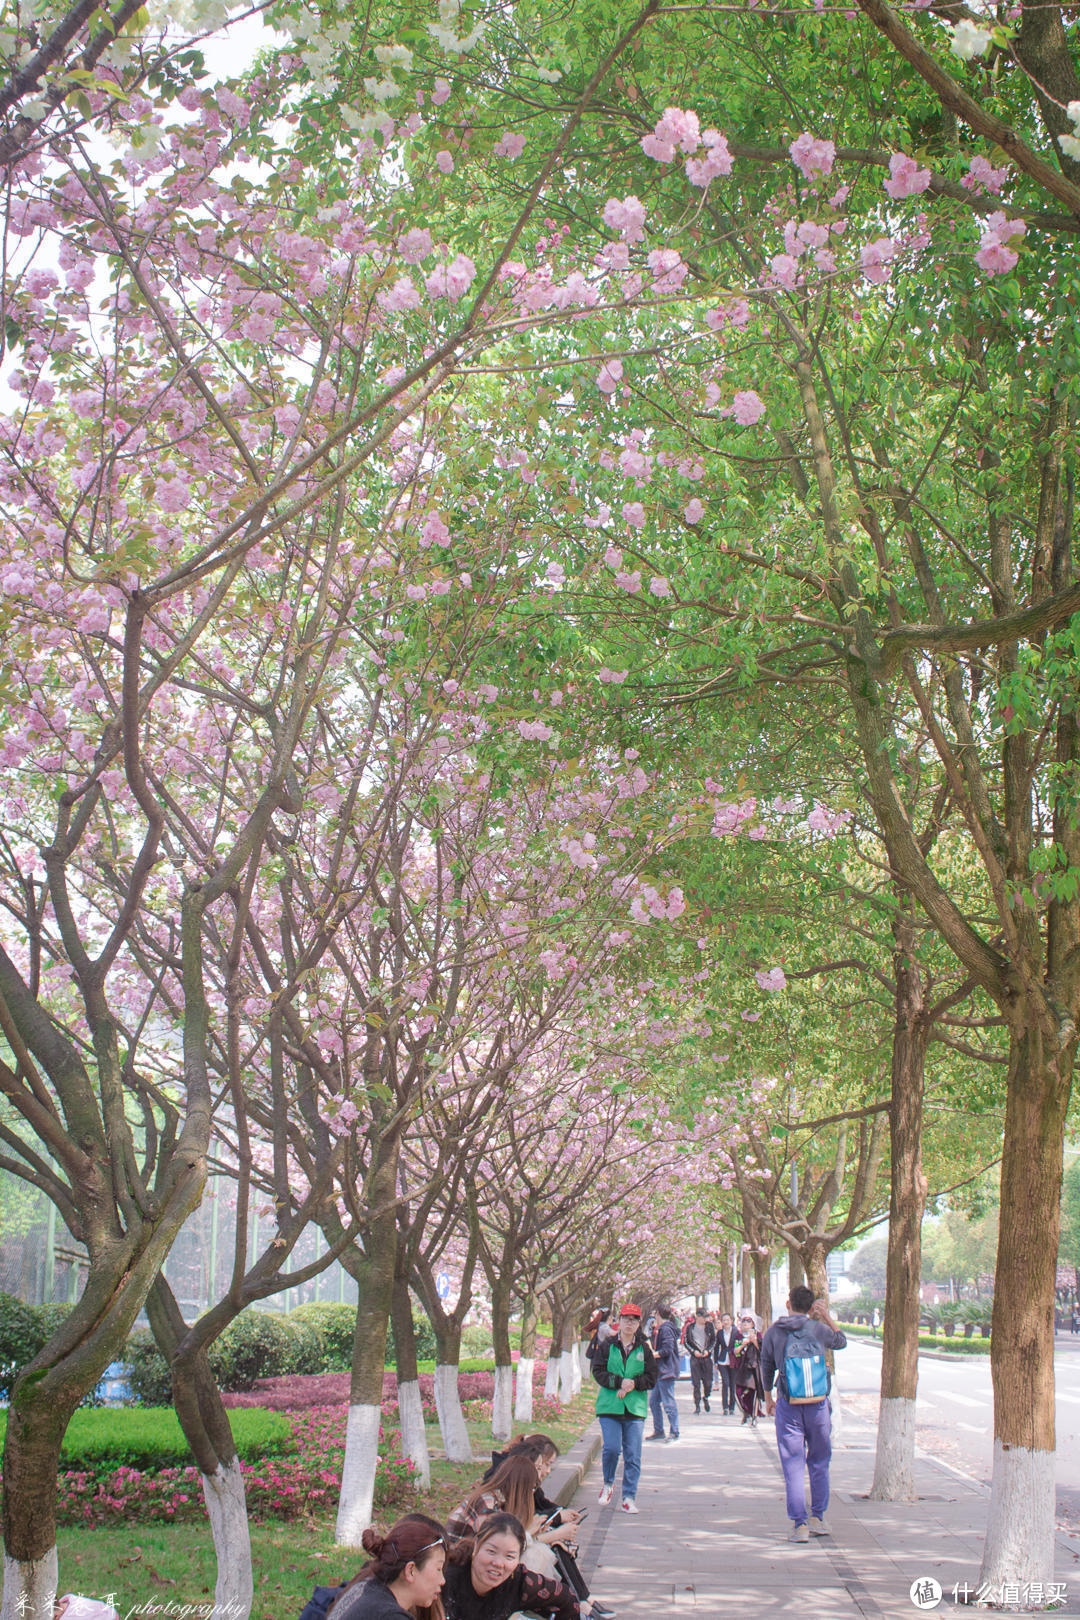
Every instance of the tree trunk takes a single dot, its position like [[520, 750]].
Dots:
[[502, 1406], [375, 1285], [207, 1430], [455, 1436], [523, 1402], [796, 1271], [1019, 1544], [50, 1387], [410, 1407], [725, 1299], [763, 1288], [551, 1376], [815, 1252], [568, 1361], [746, 1281], [894, 1466]]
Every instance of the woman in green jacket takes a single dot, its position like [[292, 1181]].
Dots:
[[626, 1372]]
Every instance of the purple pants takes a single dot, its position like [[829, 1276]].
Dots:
[[804, 1440]]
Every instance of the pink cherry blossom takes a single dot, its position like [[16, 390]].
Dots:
[[785, 270], [626, 217], [609, 376], [876, 259], [402, 295], [982, 176], [634, 513], [172, 494], [695, 510], [452, 281], [444, 161], [434, 531], [717, 160], [511, 145], [441, 92], [659, 586], [996, 253], [906, 179], [629, 581], [774, 979], [747, 407], [811, 156], [415, 244], [534, 730]]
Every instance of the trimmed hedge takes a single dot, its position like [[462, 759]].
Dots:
[[256, 1345], [150, 1438], [976, 1346], [23, 1331], [337, 1326]]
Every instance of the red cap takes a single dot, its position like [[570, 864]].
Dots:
[[631, 1310]]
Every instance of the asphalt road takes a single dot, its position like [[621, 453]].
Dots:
[[955, 1413]]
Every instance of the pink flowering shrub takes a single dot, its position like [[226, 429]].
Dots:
[[297, 1486]]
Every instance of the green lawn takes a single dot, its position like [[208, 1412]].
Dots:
[[145, 1565]]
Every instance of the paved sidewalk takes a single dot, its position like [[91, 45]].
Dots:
[[711, 1536]]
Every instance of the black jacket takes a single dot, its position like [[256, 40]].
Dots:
[[710, 1338], [524, 1589], [367, 1600], [719, 1347]]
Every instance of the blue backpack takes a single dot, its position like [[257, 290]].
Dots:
[[319, 1602], [805, 1372]]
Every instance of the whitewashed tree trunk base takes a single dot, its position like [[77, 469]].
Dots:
[[566, 1377], [29, 1587], [523, 1394], [894, 1464], [577, 1361], [455, 1436], [413, 1433], [358, 1474], [502, 1406], [551, 1376], [1019, 1545], [226, 1508]]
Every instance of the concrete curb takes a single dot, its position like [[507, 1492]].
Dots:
[[565, 1479]]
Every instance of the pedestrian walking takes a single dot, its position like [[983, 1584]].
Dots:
[[699, 1338], [625, 1374], [793, 1355], [749, 1389], [727, 1337], [662, 1400]]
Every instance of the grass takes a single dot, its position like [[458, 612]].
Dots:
[[145, 1566]]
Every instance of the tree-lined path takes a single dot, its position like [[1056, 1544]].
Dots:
[[711, 1538]]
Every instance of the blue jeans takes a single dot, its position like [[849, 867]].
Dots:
[[804, 1440], [622, 1436], [661, 1400]]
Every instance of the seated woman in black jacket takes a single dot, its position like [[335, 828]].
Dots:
[[485, 1579], [544, 1452], [403, 1577]]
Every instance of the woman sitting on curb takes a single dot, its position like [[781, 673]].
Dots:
[[486, 1580], [403, 1576]]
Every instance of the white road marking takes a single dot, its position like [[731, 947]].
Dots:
[[972, 1428], [966, 1400], [1073, 1400]]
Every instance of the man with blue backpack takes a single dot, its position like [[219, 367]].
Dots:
[[793, 1354]]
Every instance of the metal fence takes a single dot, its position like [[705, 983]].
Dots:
[[41, 1263]]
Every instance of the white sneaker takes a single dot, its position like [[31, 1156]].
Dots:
[[630, 1506], [818, 1527], [605, 1495]]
